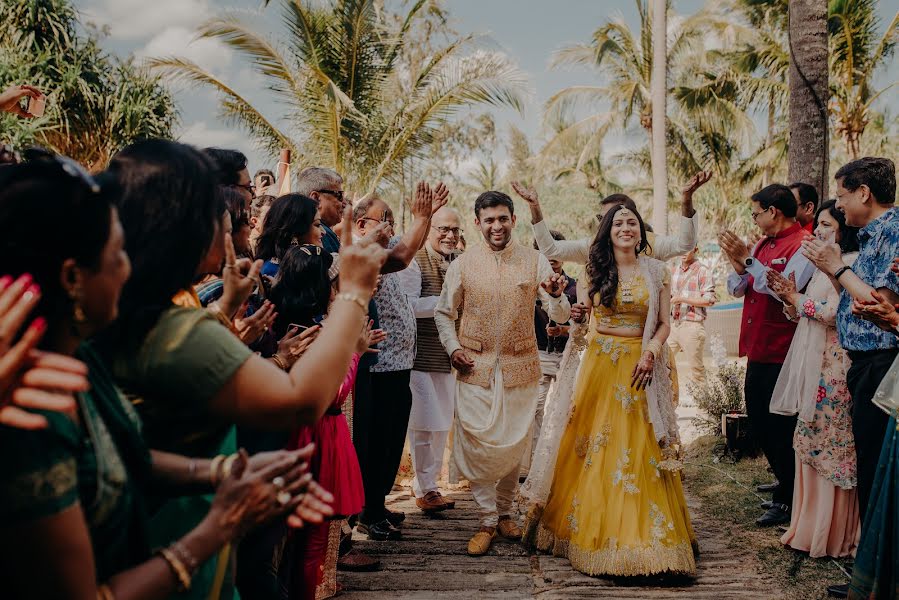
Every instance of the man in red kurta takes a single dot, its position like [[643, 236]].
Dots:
[[766, 334]]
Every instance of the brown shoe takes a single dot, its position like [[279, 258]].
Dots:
[[508, 528], [358, 562], [431, 503], [450, 504], [479, 545]]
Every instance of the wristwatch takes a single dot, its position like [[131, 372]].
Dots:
[[748, 261]]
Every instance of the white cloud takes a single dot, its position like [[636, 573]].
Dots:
[[138, 19], [201, 134], [179, 41]]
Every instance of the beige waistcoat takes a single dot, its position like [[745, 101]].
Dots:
[[497, 323]]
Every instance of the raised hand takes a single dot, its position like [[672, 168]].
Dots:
[[9, 99], [30, 379], [421, 205], [239, 277], [696, 182], [249, 329], [529, 195], [555, 285], [439, 197], [827, 256], [578, 312], [461, 361]]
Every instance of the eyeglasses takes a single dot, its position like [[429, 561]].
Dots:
[[336, 193], [755, 215], [70, 167], [249, 187], [390, 222], [445, 230]]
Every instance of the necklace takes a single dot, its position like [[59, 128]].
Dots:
[[627, 286]]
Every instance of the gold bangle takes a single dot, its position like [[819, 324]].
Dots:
[[226, 466], [104, 593], [348, 297], [221, 317], [178, 568], [214, 469], [186, 556], [280, 362]]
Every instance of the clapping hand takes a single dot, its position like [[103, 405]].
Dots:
[[734, 247], [782, 286], [555, 284], [370, 337], [439, 197], [295, 343], [878, 310], [827, 256], [30, 379], [250, 329]]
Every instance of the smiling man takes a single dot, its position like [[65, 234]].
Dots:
[[495, 284]]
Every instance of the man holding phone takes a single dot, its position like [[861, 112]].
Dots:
[[11, 101]]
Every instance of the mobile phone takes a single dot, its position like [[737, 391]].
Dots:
[[36, 105]]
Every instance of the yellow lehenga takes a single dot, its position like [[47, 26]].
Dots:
[[614, 507]]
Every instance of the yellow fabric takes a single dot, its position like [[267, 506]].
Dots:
[[628, 315], [612, 510]]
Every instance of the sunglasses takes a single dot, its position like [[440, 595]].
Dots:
[[70, 167], [336, 193]]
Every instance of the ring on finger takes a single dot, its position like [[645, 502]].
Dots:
[[283, 497], [279, 482]]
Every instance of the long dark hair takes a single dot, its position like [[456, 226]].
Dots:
[[169, 207], [848, 235], [303, 287], [48, 216], [290, 216], [601, 266]]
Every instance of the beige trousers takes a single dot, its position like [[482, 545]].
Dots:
[[689, 337]]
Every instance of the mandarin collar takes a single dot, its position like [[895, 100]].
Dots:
[[795, 227]]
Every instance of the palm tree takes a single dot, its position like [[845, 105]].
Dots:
[[352, 98], [659, 97], [857, 54], [96, 103]]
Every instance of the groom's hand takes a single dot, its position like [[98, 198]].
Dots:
[[461, 361], [555, 285]]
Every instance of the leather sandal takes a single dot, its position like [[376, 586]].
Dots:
[[508, 528], [480, 544]]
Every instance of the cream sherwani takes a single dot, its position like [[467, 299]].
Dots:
[[495, 401]]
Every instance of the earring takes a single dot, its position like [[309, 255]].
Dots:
[[78, 313]]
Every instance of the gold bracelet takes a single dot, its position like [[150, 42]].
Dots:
[[354, 298], [186, 556], [655, 347], [178, 568], [214, 469], [226, 466], [279, 361], [104, 593]]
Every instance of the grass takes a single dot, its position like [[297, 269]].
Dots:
[[727, 492]]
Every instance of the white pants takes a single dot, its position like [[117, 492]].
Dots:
[[549, 367], [494, 498], [427, 459]]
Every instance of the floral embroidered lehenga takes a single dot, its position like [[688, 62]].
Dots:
[[615, 506]]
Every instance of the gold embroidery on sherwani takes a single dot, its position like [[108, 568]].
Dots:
[[497, 322]]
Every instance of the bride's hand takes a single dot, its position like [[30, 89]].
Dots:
[[642, 374]]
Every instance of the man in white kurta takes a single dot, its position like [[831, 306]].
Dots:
[[432, 381], [491, 291]]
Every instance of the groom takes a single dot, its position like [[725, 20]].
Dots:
[[495, 286]]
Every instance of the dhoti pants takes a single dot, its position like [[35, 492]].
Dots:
[[495, 498]]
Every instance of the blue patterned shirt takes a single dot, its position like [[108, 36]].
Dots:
[[878, 246]]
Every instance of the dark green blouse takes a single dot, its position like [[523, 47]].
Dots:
[[99, 463]]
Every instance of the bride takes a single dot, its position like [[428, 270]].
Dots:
[[603, 489]]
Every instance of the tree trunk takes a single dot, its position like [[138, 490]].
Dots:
[[658, 92], [769, 141], [808, 157]]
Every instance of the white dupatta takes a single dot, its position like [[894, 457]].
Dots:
[[536, 489], [796, 390]]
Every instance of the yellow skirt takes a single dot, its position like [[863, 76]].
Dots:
[[611, 510]]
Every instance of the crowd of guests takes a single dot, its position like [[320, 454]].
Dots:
[[174, 432]]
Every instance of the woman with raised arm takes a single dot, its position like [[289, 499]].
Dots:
[[615, 506], [192, 379], [72, 494]]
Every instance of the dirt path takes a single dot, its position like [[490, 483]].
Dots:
[[431, 563]]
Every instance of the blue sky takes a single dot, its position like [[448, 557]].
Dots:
[[529, 31]]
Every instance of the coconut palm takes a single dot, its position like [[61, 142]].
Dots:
[[857, 53], [351, 99]]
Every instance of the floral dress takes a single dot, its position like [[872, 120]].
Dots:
[[826, 442]]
